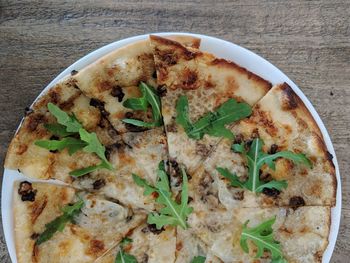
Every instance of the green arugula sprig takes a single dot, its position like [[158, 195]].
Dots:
[[149, 98], [69, 212], [122, 256], [68, 126], [212, 123], [256, 158], [172, 213], [198, 259], [262, 237]]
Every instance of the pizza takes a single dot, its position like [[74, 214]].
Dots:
[[161, 152]]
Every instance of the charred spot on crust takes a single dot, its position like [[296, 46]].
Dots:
[[128, 114], [153, 229], [290, 101], [113, 147], [100, 106], [34, 120], [54, 96], [296, 201], [161, 91], [167, 58], [255, 134], [96, 247], [273, 192], [189, 79], [117, 92], [26, 191], [98, 184], [189, 54]]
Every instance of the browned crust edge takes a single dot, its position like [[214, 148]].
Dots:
[[296, 104], [215, 61]]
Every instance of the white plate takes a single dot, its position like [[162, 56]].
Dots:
[[222, 49]]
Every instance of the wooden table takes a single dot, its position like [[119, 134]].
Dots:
[[309, 41]]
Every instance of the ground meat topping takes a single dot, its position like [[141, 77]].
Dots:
[[117, 92], [26, 191]]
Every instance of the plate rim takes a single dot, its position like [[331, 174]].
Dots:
[[247, 59]]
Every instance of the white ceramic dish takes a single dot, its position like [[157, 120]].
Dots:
[[222, 49]]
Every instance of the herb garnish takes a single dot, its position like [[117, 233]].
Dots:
[[198, 259], [123, 257], [172, 213], [256, 158], [149, 98], [58, 224], [68, 126], [212, 123], [262, 237]]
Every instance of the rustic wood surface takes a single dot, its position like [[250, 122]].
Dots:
[[308, 40]]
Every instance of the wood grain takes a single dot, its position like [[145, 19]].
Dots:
[[308, 40]]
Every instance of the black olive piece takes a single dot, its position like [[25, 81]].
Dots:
[[152, 228], [161, 91], [74, 72], [26, 191], [273, 149]]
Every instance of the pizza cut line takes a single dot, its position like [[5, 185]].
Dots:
[[170, 154]]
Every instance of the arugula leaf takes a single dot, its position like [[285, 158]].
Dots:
[[72, 144], [125, 241], [198, 259], [68, 125], [172, 213], [149, 98], [89, 169], [212, 123], [58, 129], [94, 146], [123, 257], [256, 158], [70, 122], [58, 224], [262, 237]]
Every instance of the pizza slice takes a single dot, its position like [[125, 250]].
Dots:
[[203, 95], [144, 244], [278, 157], [123, 83], [55, 223], [261, 234], [91, 155]]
